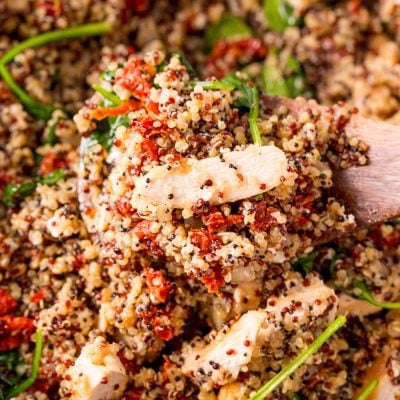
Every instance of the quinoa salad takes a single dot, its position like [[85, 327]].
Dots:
[[163, 219]]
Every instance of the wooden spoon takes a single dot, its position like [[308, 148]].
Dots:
[[371, 192]]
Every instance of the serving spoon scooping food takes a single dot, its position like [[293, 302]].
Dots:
[[370, 192]]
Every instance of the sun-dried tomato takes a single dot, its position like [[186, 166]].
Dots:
[[216, 220], [164, 332], [263, 218], [139, 7], [157, 319], [14, 331], [389, 241], [228, 55], [204, 240], [158, 284], [36, 297], [143, 230], [122, 109], [50, 163], [7, 302], [212, 278], [136, 77], [80, 261], [147, 238], [149, 150], [124, 206]]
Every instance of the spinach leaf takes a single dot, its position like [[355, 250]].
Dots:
[[249, 99], [36, 109], [16, 192], [279, 15], [228, 26]]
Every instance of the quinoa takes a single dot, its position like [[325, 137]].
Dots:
[[103, 273]]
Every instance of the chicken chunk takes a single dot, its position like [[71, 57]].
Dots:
[[97, 374], [222, 359], [232, 176]]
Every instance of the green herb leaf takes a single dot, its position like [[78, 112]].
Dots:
[[108, 76], [305, 264], [365, 393], [53, 177], [192, 73], [368, 296], [35, 368], [38, 110], [111, 97], [228, 26], [213, 85], [250, 99], [279, 15], [105, 132], [278, 379], [293, 85], [15, 192], [273, 83], [10, 360]]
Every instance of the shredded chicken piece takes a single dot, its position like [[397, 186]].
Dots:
[[232, 176], [222, 359]]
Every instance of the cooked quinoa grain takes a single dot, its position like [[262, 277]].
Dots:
[[161, 251]]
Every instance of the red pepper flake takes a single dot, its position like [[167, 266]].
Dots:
[[7, 302], [50, 163]]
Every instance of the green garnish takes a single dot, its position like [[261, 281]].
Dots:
[[15, 192], [184, 61], [292, 85], [279, 15], [35, 368], [36, 109], [278, 379], [51, 138], [296, 81], [213, 85], [304, 264], [250, 99], [228, 26], [368, 390], [368, 296], [111, 97], [105, 132], [273, 82]]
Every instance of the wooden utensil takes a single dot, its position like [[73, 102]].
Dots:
[[372, 192]]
